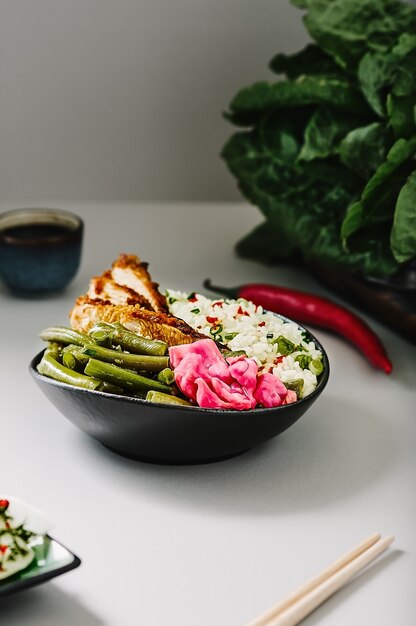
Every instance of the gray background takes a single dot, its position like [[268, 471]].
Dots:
[[122, 99]]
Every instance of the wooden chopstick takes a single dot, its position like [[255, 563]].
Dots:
[[298, 604]]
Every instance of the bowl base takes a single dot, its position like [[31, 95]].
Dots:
[[164, 461]]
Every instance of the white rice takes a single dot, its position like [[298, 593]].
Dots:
[[241, 325]]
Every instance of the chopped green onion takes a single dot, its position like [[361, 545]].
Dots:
[[216, 329], [171, 300], [230, 336], [316, 367], [284, 346], [195, 311], [303, 360], [236, 353], [295, 385]]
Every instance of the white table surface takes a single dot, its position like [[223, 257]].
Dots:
[[210, 544]]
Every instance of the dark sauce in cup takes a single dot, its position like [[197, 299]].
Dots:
[[30, 232]]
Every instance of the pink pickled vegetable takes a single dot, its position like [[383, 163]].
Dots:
[[214, 382]]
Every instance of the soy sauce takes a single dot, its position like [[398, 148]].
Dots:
[[30, 232]]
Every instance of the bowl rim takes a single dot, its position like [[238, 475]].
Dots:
[[46, 216], [322, 382]]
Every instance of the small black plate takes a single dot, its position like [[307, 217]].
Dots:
[[51, 559]]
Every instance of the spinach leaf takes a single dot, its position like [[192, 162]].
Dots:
[[377, 203], [347, 29], [265, 244], [329, 152], [403, 234], [311, 60], [324, 132], [365, 148], [380, 73], [405, 53], [376, 73], [400, 110], [305, 90]]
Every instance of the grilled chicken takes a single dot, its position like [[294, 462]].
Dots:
[[130, 272], [152, 324], [105, 288], [127, 294]]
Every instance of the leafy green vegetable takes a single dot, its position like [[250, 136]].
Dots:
[[304, 90], [324, 133], [303, 360], [363, 149], [403, 238], [308, 61], [329, 150]]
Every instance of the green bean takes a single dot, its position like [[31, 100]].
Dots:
[[138, 362], [69, 360], [110, 388], [122, 377], [76, 351], [101, 337], [62, 334], [166, 376], [163, 398], [139, 345], [54, 350], [48, 366]]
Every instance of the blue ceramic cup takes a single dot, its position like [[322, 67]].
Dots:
[[40, 249]]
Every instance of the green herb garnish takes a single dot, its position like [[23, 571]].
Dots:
[[284, 346]]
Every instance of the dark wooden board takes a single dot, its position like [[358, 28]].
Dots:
[[395, 307]]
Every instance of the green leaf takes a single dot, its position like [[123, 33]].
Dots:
[[266, 244], [405, 53], [305, 90], [347, 29], [379, 195], [403, 234], [310, 60], [352, 222], [365, 148], [376, 73], [324, 133], [400, 111], [380, 72]]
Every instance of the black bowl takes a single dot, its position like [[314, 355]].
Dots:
[[160, 433]]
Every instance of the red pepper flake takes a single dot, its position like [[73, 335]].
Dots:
[[212, 320], [192, 299], [246, 313], [240, 311], [7, 525], [4, 504], [262, 324], [278, 360], [3, 548], [218, 304]]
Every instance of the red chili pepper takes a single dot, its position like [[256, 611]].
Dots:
[[212, 320], [3, 548], [316, 310], [4, 504]]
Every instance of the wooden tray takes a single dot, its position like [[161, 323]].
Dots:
[[393, 303]]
